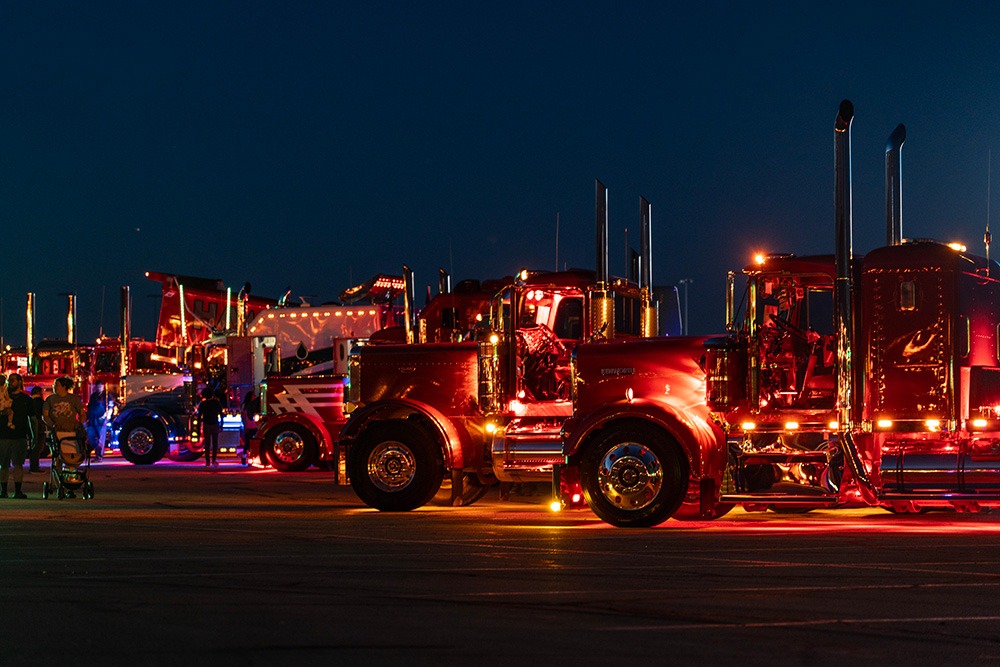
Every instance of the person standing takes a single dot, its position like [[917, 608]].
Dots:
[[97, 417], [37, 429], [210, 411], [14, 433], [63, 411]]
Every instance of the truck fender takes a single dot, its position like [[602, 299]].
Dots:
[[703, 441], [169, 425], [324, 438], [451, 441]]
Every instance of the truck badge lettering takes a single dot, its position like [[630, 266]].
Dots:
[[618, 371]]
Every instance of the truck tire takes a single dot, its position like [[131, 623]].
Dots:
[[633, 476], [395, 466], [289, 448], [142, 440]]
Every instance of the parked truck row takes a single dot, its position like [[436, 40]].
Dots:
[[839, 379]]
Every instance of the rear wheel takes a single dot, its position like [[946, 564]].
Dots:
[[289, 447], [633, 476], [395, 466], [142, 441]]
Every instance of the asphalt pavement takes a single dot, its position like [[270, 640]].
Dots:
[[175, 564]]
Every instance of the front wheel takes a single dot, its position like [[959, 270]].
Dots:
[[395, 466], [633, 477], [142, 441], [289, 448]]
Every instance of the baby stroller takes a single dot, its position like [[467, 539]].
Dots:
[[70, 466]]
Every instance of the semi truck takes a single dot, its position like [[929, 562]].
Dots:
[[303, 412], [845, 380], [488, 409]]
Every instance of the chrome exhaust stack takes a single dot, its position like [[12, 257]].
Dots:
[[408, 301], [30, 316], [125, 329], [843, 297], [894, 186], [650, 308], [125, 313], [602, 304], [71, 319], [444, 282]]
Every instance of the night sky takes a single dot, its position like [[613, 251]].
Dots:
[[311, 145]]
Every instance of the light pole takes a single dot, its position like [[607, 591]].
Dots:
[[684, 323]]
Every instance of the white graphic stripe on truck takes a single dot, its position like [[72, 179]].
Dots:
[[300, 399]]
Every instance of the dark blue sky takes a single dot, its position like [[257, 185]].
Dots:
[[312, 145]]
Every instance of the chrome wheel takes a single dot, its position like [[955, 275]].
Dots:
[[391, 466], [630, 476], [289, 446], [141, 440]]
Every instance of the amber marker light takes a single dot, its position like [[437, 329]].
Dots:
[[748, 426], [494, 339], [833, 426], [957, 246], [884, 423], [491, 427], [555, 506], [759, 258], [933, 424], [979, 423], [791, 426]]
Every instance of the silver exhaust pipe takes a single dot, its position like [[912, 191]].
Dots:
[[843, 303], [71, 319], [408, 303], [894, 186], [602, 303], [30, 315], [125, 314], [444, 282], [650, 309], [601, 200]]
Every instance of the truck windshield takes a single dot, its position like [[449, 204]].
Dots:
[[559, 310], [797, 301]]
